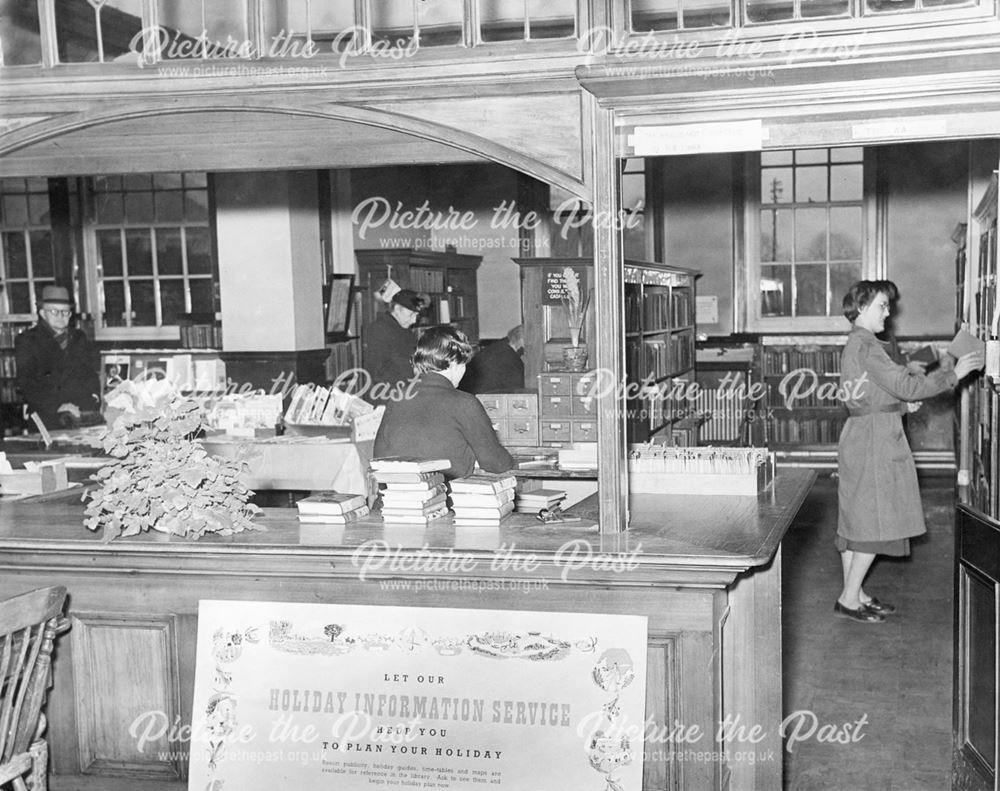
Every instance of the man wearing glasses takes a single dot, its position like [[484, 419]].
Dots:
[[57, 366]]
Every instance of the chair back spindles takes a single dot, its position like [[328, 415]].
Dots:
[[28, 627]]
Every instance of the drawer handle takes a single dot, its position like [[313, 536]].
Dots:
[[521, 429]]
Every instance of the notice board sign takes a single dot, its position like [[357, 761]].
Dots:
[[554, 282], [351, 697]]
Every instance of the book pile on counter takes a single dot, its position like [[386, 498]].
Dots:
[[482, 499], [413, 491], [332, 508], [534, 502]]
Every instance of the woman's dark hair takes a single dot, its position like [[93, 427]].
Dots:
[[438, 347], [863, 292]]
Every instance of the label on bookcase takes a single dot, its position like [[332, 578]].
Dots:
[[554, 283]]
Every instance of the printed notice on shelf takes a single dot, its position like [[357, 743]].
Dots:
[[697, 138], [357, 697]]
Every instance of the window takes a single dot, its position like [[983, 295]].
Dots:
[[26, 258], [154, 249], [805, 236]]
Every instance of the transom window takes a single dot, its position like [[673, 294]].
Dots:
[[26, 257], [154, 248]]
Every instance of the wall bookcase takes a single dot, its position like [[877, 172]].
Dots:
[[448, 278]]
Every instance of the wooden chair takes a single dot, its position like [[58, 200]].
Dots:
[[28, 627]]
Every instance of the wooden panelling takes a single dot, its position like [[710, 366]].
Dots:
[[125, 669]]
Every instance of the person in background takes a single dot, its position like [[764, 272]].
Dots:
[[497, 367], [879, 501], [389, 343], [437, 421], [57, 366]]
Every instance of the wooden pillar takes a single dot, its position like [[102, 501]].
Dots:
[[609, 299]]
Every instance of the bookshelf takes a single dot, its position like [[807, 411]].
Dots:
[[448, 278], [660, 352], [11, 405], [800, 373], [659, 339]]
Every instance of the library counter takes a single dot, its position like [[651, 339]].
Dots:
[[705, 571]]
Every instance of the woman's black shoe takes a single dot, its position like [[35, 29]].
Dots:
[[861, 614], [881, 607]]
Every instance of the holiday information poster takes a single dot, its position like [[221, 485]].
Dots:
[[303, 696]]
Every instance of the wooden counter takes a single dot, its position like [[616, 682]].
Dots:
[[704, 570]]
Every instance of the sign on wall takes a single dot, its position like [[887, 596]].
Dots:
[[304, 696], [554, 283]]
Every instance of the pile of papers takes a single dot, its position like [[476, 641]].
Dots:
[[482, 499], [332, 508], [253, 414], [413, 491]]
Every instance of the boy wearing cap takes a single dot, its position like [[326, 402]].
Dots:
[[389, 344], [57, 365]]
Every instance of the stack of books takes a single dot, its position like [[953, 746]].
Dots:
[[412, 490], [332, 508], [482, 499], [535, 501]]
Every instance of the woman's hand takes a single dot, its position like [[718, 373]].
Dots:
[[913, 406], [968, 363]]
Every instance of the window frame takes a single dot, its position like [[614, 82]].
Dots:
[[34, 283], [92, 256], [747, 257]]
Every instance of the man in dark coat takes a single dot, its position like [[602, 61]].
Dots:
[[388, 346], [57, 365], [498, 367]]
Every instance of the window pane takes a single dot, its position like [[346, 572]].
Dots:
[[776, 291], [170, 206], [15, 255], [138, 252], [706, 13], [810, 290], [15, 211], [109, 247], [776, 185], [19, 33], [196, 205], [852, 154], [440, 22], [776, 231], [769, 10], [811, 9], [137, 181], [769, 158], [41, 254], [651, 15], [139, 207], [202, 300], [114, 303], [172, 300], [143, 303], [167, 181], [633, 190], [846, 182], [810, 156], [199, 250], [551, 18], [110, 209], [875, 6], [810, 185], [169, 256], [19, 298], [810, 235], [77, 28], [845, 233], [38, 209], [842, 277]]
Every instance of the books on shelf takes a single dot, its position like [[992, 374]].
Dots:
[[330, 503], [409, 481], [416, 517], [480, 500], [401, 494]]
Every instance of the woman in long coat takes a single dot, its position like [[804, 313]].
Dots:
[[879, 501]]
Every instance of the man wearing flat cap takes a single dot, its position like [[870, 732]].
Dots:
[[57, 365], [389, 344]]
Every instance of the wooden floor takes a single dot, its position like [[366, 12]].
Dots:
[[895, 676]]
